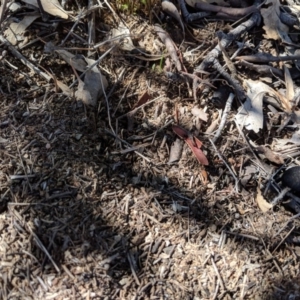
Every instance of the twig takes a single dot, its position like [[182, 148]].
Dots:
[[23, 59], [188, 17], [218, 273], [3, 9], [226, 164], [125, 91], [171, 47], [93, 65], [227, 39], [91, 26], [250, 147], [129, 257], [226, 11], [280, 196], [72, 29], [266, 57], [291, 219], [283, 239], [224, 116], [36, 238], [128, 144], [262, 69]]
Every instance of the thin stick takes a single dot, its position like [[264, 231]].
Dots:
[[226, 164], [129, 257], [91, 26], [72, 29], [93, 65], [227, 109], [291, 219], [218, 273], [280, 196], [23, 59], [283, 239], [126, 143]]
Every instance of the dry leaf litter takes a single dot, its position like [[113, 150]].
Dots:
[[100, 199]]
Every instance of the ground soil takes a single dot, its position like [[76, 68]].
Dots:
[[90, 205]]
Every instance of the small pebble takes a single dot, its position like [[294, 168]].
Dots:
[[291, 178]]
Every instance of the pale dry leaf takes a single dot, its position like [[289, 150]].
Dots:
[[52, 7], [250, 114], [295, 139], [95, 82], [290, 93], [124, 43], [273, 26], [175, 151], [77, 61], [3, 140], [261, 202], [15, 31], [65, 89], [199, 113], [84, 95]]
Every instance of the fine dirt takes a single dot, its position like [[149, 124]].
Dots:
[[91, 207]]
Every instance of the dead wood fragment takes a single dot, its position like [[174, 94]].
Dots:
[[212, 57], [191, 17], [266, 57], [226, 11], [224, 116]]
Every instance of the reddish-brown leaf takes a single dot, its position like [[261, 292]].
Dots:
[[192, 142]]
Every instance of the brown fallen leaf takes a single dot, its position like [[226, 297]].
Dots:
[[192, 142], [142, 100], [261, 202], [270, 155]]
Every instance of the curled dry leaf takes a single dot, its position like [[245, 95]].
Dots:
[[65, 89], [172, 10], [251, 114], [290, 93], [84, 95], [77, 61], [261, 202]]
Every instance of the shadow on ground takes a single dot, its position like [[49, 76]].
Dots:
[[86, 221]]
